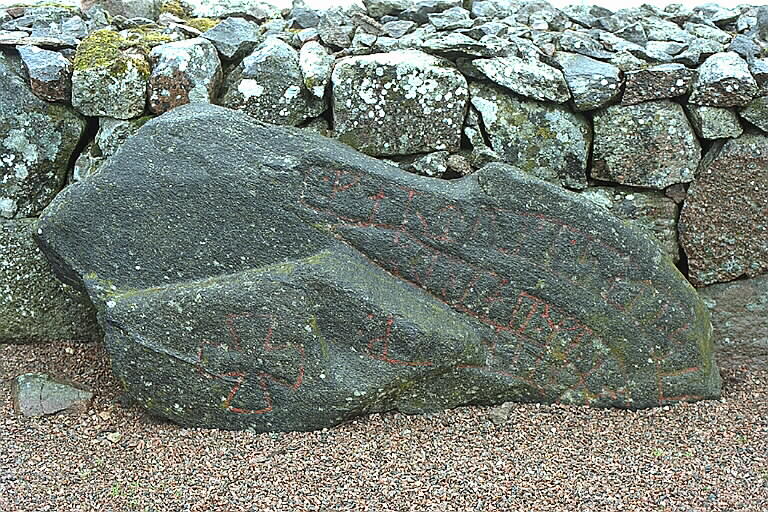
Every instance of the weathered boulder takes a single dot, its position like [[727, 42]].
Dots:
[[657, 82], [268, 85], [592, 83], [649, 145], [183, 72], [398, 103], [527, 77], [547, 141], [108, 80], [34, 305], [316, 67], [287, 282], [756, 112], [723, 225], [37, 140], [646, 209], [234, 38], [259, 11], [714, 122], [723, 80], [37, 394], [50, 73], [739, 312]]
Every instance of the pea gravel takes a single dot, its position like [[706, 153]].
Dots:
[[708, 456]]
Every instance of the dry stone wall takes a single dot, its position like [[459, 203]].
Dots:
[[655, 116]]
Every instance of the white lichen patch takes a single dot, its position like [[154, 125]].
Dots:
[[425, 94]]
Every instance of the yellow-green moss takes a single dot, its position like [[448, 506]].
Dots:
[[202, 24], [104, 49], [145, 38], [175, 7]]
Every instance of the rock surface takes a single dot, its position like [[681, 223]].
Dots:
[[526, 77], [723, 80], [268, 85], [714, 122], [739, 312], [107, 80], [657, 82], [50, 73], [357, 288], [398, 103], [34, 305], [183, 72], [646, 209], [547, 141], [234, 38], [37, 140], [37, 394], [649, 145], [723, 225], [592, 83]]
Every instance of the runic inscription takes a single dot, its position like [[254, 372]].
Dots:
[[241, 379]]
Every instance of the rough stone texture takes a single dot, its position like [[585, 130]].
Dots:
[[34, 305], [646, 145], [723, 80], [592, 83], [358, 288], [529, 78], [260, 11], [234, 38], [398, 103], [50, 73], [657, 82], [37, 140], [37, 394], [111, 135], [756, 112], [107, 81], [646, 209], [183, 72], [316, 66], [723, 225], [714, 122], [268, 85], [547, 141], [739, 311]]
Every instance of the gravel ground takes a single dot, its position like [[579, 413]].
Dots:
[[692, 457]]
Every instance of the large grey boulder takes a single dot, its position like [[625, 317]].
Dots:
[[398, 103], [649, 145], [545, 140], [37, 140], [111, 135], [288, 282], [723, 225], [34, 305]]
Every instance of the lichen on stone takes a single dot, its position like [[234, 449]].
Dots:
[[202, 24], [175, 7], [104, 49]]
